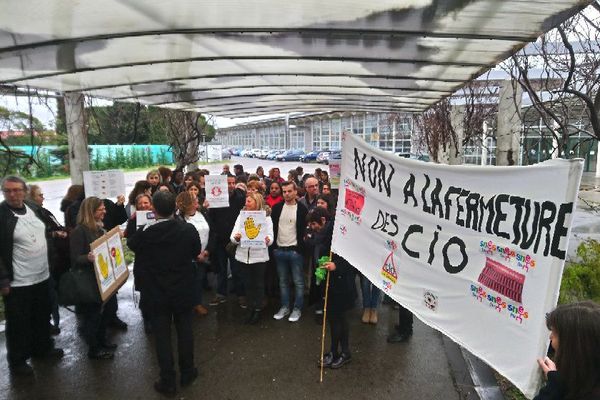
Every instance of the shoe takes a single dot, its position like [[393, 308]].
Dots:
[[341, 360], [242, 302], [373, 317], [217, 300], [327, 360], [282, 313], [108, 346], [23, 369], [399, 337], [101, 354], [53, 353], [118, 323], [295, 315], [254, 318], [54, 330], [189, 378], [366, 315], [164, 388], [200, 310]]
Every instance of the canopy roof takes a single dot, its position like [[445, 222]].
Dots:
[[240, 58]]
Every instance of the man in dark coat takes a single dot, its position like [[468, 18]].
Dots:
[[167, 250]]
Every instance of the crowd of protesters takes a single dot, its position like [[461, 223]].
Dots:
[[176, 255]]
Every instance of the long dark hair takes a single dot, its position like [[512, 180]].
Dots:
[[577, 359]]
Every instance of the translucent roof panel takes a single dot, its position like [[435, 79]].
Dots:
[[212, 56]]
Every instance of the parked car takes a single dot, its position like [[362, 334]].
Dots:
[[263, 154], [322, 157], [272, 154], [334, 155], [310, 157], [225, 154], [290, 155]]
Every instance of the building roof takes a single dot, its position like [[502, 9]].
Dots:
[[237, 58]]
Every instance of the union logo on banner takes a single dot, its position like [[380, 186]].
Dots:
[[388, 269]]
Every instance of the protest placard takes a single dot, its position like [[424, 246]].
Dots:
[[217, 193], [475, 252], [253, 224], [109, 263], [335, 171], [104, 184], [144, 218]]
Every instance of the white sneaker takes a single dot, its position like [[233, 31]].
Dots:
[[295, 315], [282, 313]]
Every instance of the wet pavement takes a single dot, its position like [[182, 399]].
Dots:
[[273, 360]]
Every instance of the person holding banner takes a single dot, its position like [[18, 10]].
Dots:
[[575, 338], [253, 259], [167, 249], [341, 293], [96, 316]]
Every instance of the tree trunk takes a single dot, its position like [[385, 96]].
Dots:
[[79, 159]]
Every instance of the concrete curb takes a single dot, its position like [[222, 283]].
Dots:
[[474, 380]]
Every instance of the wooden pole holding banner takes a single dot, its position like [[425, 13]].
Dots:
[[324, 320]]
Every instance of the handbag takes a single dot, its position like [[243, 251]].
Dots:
[[78, 286]]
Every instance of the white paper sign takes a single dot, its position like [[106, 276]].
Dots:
[[335, 171], [475, 252], [104, 267], [217, 193], [253, 228], [214, 152], [116, 253], [144, 218], [104, 184]]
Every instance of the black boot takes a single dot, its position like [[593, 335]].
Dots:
[[249, 318], [254, 318]]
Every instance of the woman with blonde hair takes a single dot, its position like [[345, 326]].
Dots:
[[154, 178], [95, 315], [253, 260]]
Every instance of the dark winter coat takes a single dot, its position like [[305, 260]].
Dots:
[[166, 251], [225, 217]]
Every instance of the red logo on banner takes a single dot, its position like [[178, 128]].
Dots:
[[502, 279], [354, 201]]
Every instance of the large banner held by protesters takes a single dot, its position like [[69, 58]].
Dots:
[[474, 252]]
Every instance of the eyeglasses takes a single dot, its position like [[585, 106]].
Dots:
[[12, 190]]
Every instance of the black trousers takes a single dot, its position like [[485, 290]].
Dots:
[[340, 332], [254, 283], [27, 310], [405, 321], [95, 321], [162, 315]]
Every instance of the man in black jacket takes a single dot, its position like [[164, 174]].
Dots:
[[167, 250], [24, 278]]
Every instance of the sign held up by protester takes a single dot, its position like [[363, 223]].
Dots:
[[475, 252]]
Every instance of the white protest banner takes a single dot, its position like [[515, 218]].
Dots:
[[104, 184], [252, 224], [144, 218], [335, 172], [109, 263], [475, 252], [217, 193]]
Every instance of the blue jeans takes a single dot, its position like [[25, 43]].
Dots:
[[370, 293], [199, 277], [289, 262], [238, 285]]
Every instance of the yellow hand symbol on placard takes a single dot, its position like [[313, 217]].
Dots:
[[252, 230], [103, 266]]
